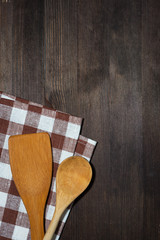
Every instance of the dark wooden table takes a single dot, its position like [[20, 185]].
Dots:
[[98, 60]]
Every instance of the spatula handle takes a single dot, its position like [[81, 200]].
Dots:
[[36, 220], [37, 228], [53, 225]]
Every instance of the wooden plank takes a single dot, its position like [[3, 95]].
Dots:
[[61, 54], [6, 12], [22, 71], [151, 116], [123, 80]]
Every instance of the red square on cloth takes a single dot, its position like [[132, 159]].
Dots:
[[9, 216], [4, 125]]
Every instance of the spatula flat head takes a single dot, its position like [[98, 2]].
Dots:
[[31, 162]]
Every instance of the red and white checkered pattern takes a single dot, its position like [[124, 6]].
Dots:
[[19, 116]]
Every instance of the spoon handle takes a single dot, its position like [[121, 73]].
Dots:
[[53, 225]]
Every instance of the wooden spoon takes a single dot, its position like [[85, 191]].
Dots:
[[31, 166], [73, 176]]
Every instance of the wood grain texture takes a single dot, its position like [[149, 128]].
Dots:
[[151, 117], [21, 42], [98, 60]]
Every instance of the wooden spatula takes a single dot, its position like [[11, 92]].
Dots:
[[31, 166], [73, 176]]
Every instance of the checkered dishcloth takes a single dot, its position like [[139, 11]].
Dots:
[[19, 116]]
